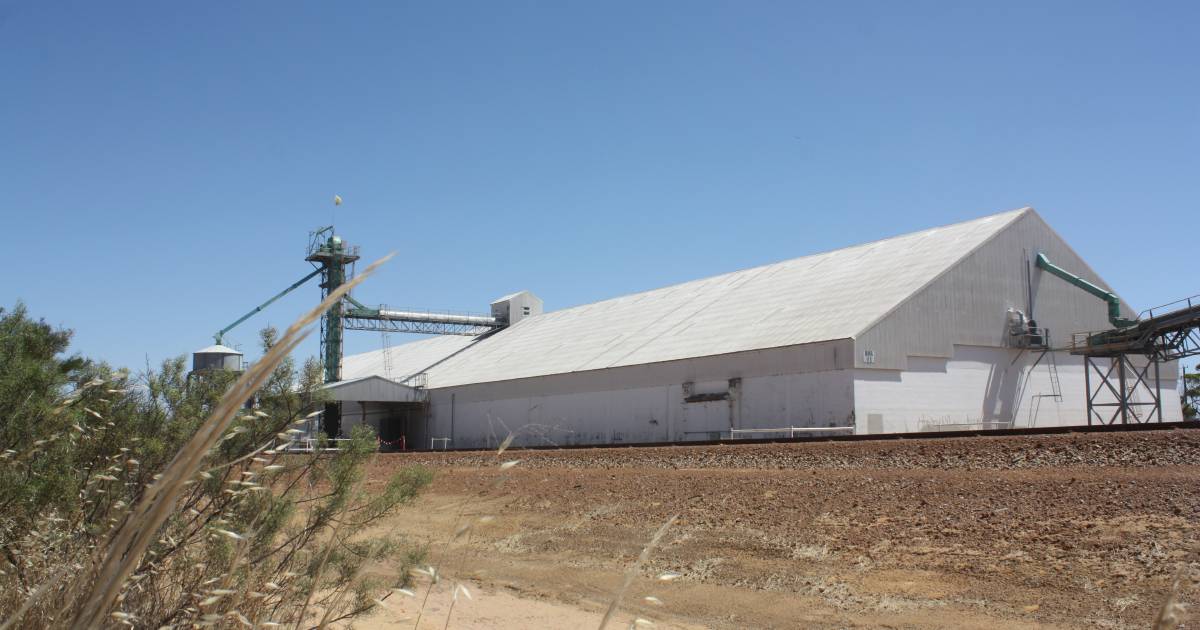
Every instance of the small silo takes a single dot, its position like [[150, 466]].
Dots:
[[216, 357]]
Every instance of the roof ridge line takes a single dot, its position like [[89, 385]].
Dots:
[[785, 260]]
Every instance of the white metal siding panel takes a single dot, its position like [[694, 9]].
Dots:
[[967, 304], [982, 384], [808, 385], [586, 413]]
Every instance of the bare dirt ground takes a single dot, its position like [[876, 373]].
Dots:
[[1066, 531]]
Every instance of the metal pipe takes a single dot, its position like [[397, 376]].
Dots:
[[221, 333], [356, 303], [432, 318], [1114, 302]]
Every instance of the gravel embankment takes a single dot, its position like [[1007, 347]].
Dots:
[[1133, 449]]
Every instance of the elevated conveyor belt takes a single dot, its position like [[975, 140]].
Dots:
[[1165, 333], [383, 319], [1121, 365]]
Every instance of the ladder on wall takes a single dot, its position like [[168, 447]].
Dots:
[[1047, 355], [386, 342], [1052, 365]]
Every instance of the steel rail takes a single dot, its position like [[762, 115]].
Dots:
[[925, 435]]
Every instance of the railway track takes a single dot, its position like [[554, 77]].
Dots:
[[925, 435]]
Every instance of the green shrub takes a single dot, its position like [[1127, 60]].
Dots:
[[255, 536]]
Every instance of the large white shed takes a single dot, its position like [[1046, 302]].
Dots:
[[911, 333]]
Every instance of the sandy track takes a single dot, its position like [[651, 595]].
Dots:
[[1070, 531]]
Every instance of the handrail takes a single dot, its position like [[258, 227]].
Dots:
[[308, 445], [1187, 302], [791, 431]]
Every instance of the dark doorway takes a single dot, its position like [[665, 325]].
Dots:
[[392, 429]]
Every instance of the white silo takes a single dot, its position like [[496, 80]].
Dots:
[[216, 357]]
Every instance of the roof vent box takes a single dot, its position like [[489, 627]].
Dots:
[[517, 306]]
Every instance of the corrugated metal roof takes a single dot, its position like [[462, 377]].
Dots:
[[371, 389], [408, 359], [832, 295], [505, 298]]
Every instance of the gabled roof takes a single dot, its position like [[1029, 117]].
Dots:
[[821, 297], [371, 389], [510, 296]]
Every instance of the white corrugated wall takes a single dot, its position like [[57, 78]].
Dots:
[[810, 385], [943, 356]]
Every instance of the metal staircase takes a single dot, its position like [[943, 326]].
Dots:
[[1047, 356]]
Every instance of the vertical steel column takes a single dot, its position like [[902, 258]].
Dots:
[[1087, 385], [331, 324], [335, 277], [1157, 391], [331, 255], [1123, 399]]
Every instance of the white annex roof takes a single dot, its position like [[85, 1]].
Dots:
[[371, 389], [832, 295]]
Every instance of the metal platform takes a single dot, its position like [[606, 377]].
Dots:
[[1166, 333], [1121, 365]]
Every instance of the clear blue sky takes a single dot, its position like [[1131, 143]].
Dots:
[[162, 163]]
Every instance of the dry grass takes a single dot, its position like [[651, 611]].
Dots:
[[128, 543], [211, 540], [245, 584], [633, 571], [1173, 610]]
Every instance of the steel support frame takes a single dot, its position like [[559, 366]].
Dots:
[[422, 328], [1178, 344], [1125, 408]]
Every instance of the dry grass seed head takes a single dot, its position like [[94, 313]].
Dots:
[[129, 542]]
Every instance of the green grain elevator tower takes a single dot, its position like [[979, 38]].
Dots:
[[332, 256]]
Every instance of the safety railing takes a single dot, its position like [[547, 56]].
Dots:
[[790, 432], [308, 445], [1035, 338], [398, 444], [418, 381], [1082, 340], [925, 424], [1177, 305]]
